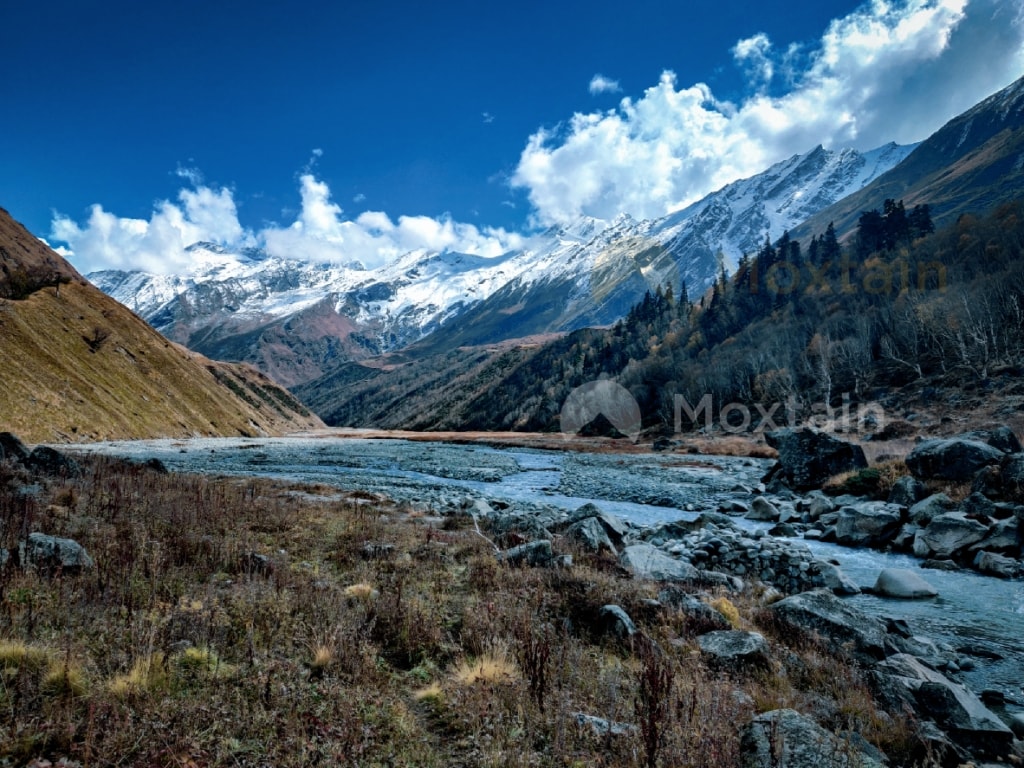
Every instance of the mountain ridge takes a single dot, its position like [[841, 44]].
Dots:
[[274, 313], [972, 163]]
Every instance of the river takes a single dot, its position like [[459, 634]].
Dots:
[[971, 610]]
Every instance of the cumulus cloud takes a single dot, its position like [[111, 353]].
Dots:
[[890, 71], [602, 84], [157, 244], [322, 233], [319, 233]]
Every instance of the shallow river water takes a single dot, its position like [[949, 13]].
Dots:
[[971, 610]]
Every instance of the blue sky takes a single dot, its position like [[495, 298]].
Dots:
[[358, 130]]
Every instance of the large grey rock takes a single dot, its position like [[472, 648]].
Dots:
[[955, 459], [954, 708], [816, 504], [937, 504], [616, 529], [783, 738], [12, 448], [698, 614], [997, 565], [977, 505], [735, 649], [50, 553], [763, 510], [617, 622], [591, 534], [867, 524], [646, 561], [807, 457], [1003, 537], [950, 533], [832, 577], [820, 612], [906, 491], [903, 583], [1002, 438], [533, 553]]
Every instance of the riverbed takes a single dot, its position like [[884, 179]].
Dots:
[[979, 612]]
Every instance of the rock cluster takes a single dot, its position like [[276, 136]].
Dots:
[[982, 532], [38, 551], [710, 551]]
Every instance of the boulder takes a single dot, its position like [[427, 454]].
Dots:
[[783, 738], [617, 622], [735, 649], [903, 541], [903, 583], [869, 523], [1003, 537], [12, 448], [937, 504], [1012, 477], [46, 461], [615, 527], [591, 534], [977, 505], [948, 534], [820, 612], [996, 565], [763, 510], [906, 491], [699, 615], [50, 554], [832, 577], [646, 561], [808, 457], [816, 504], [955, 459], [533, 553], [954, 708], [1002, 438], [1017, 724]]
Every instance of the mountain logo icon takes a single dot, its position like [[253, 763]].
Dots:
[[601, 398]]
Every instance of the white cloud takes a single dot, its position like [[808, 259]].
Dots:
[[601, 84], [754, 53], [319, 233], [156, 244], [487, 118], [890, 71]]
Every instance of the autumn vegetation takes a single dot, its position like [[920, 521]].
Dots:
[[233, 622]]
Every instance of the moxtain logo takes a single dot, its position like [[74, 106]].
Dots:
[[601, 398]]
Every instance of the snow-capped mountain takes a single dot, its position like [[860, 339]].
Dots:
[[294, 319]]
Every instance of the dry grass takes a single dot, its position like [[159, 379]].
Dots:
[[875, 481], [728, 610], [171, 652], [489, 668]]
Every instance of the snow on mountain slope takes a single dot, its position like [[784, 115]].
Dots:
[[276, 313]]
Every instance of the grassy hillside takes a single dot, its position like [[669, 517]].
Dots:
[[79, 366]]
